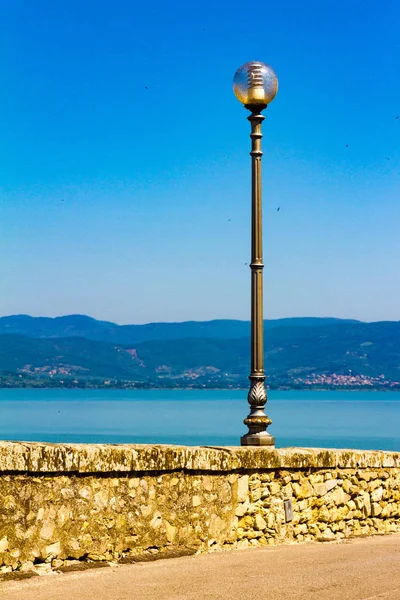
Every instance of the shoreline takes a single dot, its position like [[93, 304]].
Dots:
[[203, 388]]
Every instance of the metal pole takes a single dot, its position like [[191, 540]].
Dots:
[[257, 421]]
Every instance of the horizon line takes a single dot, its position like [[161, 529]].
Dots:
[[65, 316]]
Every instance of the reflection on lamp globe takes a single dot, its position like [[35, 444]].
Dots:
[[255, 84]]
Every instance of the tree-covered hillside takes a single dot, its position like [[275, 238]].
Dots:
[[104, 331], [295, 355]]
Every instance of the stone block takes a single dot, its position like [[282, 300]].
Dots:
[[348, 486], [366, 504], [337, 496], [255, 494], [316, 478], [328, 535], [375, 509], [170, 531], [321, 489], [242, 509], [274, 488], [377, 494], [53, 549], [303, 490], [260, 523], [4, 544], [243, 488], [300, 529], [57, 563]]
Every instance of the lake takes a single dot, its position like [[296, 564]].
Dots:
[[328, 419]]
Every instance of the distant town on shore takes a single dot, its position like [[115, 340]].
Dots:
[[77, 351]]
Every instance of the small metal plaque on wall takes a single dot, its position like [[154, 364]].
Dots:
[[288, 510]]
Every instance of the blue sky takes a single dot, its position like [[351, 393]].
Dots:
[[132, 204]]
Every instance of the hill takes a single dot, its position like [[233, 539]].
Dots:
[[105, 331], [339, 354]]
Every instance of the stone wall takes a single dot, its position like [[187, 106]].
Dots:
[[60, 503]]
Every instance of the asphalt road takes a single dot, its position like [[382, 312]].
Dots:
[[363, 569]]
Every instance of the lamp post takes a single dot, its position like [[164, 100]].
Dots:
[[255, 85]]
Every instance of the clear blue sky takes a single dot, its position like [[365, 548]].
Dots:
[[132, 204]]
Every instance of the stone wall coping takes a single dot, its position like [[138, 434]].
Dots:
[[37, 457]]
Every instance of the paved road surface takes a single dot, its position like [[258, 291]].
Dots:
[[366, 569]]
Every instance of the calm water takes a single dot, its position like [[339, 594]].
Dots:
[[366, 420]]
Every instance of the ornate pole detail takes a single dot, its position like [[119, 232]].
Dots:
[[255, 85], [257, 421]]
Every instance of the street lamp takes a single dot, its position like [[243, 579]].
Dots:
[[255, 85]]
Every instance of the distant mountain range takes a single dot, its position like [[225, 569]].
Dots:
[[77, 350], [105, 331]]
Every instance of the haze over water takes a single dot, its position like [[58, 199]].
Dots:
[[327, 419]]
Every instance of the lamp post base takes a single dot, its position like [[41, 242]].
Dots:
[[258, 439]]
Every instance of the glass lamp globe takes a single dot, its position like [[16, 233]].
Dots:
[[255, 84]]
